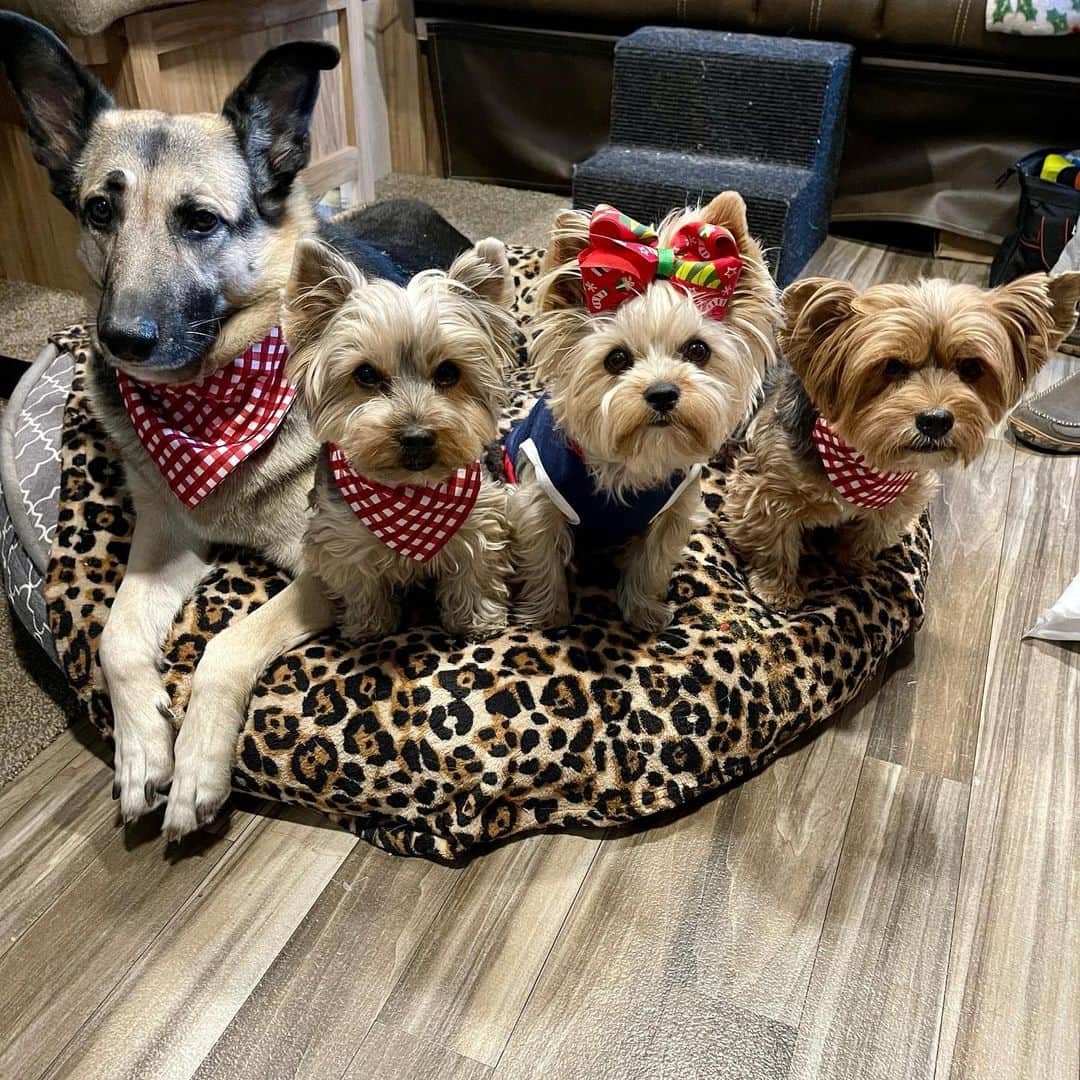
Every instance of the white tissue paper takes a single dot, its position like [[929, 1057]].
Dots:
[[1062, 621]]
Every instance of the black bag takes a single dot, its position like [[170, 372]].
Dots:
[[1045, 221]]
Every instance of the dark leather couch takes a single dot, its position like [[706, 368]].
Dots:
[[939, 107], [952, 29]]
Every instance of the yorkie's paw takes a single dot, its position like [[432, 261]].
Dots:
[[853, 558], [774, 595], [478, 627], [541, 617], [357, 631], [644, 613]]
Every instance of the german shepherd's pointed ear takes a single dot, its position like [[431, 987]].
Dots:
[[270, 111], [58, 97], [320, 282]]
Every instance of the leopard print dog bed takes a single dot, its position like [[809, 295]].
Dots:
[[425, 745]]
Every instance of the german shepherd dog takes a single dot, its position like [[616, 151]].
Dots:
[[188, 228]]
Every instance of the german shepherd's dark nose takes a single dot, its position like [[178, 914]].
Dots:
[[130, 339]]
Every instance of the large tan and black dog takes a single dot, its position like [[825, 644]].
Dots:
[[188, 229]]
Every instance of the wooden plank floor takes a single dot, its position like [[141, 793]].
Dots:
[[899, 898]]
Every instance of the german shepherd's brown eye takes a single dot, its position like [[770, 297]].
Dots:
[[203, 222], [446, 374], [969, 369], [617, 361], [894, 368], [368, 376], [697, 352], [98, 211]]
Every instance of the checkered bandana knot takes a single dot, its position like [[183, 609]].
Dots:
[[197, 433], [851, 476], [414, 520]]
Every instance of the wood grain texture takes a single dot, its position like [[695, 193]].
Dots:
[[874, 1002], [68, 745], [47, 842], [928, 712], [210, 955], [864, 264], [354, 93], [61, 969], [1012, 1006], [787, 827], [346, 956], [391, 1054], [466, 985], [400, 65], [638, 982]]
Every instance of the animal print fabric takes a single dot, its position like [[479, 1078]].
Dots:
[[426, 745]]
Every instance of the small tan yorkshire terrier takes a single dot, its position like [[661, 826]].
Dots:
[[651, 345], [403, 386], [881, 389]]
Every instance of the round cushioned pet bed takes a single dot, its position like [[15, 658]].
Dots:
[[423, 744]]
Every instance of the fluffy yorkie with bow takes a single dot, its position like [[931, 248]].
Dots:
[[880, 390], [403, 387], [651, 346]]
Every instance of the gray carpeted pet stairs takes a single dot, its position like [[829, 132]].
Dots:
[[696, 112]]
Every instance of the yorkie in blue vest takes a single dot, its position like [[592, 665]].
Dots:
[[881, 389], [651, 345]]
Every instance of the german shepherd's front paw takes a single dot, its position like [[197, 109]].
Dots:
[[202, 774], [199, 789], [143, 758]]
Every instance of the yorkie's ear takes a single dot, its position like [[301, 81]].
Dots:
[[560, 277], [485, 270], [728, 209], [1064, 290], [1038, 313], [814, 309], [320, 282]]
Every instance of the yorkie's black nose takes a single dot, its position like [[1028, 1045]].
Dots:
[[662, 396], [417, 448], [934, 423]]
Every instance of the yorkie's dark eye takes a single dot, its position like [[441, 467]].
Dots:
[[202, 222], [969, 369], [697, 352], [618, 361], [98, 211], [446, 374], [368, 376], [894, 368]]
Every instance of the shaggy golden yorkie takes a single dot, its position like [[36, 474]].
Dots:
[[881, 388], [403, 386], [650, 346]]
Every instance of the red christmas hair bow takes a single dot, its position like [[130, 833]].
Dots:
[[623, 257]]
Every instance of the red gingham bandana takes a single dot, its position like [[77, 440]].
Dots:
[[197, 433], [851, 476], [622, 258], [414, 520]]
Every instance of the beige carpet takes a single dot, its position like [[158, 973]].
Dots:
[[33, 701], [29, 312]]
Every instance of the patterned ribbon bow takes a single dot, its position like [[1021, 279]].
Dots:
[[622, 258]]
